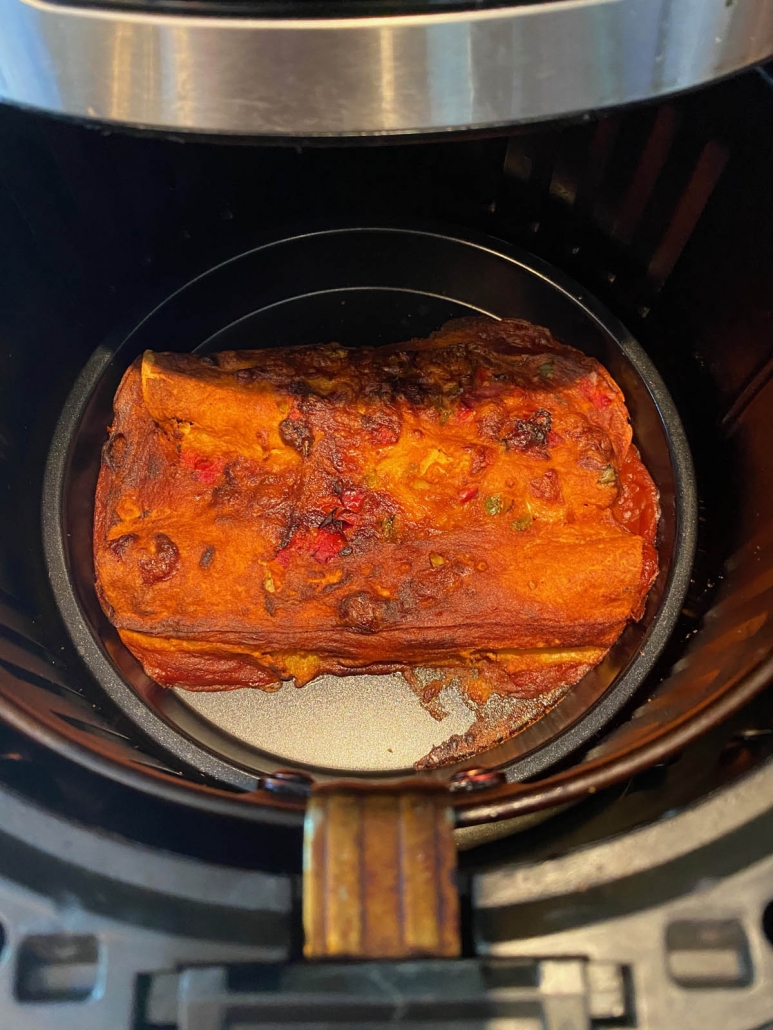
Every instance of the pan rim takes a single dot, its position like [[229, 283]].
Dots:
[[525, 766]]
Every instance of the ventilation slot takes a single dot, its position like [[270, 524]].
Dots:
[[708, 169], [584, 195], [43, 683]]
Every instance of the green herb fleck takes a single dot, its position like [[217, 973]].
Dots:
[[388, 527], [546, 368], [444, 416], [522, 523], [493, 504], [608, 476]]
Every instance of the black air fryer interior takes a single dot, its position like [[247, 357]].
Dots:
[[661, 212]]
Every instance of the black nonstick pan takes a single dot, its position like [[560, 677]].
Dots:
[[379, 850], [360, 286]]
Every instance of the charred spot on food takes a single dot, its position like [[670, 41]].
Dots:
[[546, 487], [289, 531], [228, 496], [300, 388], [206, 557], [336, 525], [296, 433], [333, 454], [383, 428], [247, 375], [364, 613], [480, 458], [414, 391], [270, 604], [531, 433], [163, 561], [491, 424], [229, 474], [329, 519], [114, 452], [120, 546], [430, 586], [592, 461], [460, 568], [337, 584]]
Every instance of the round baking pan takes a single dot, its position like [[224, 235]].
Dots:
[[361, 286]]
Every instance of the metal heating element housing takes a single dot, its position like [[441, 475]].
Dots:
[[364, 67]]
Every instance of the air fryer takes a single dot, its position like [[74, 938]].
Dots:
[[622, 883]]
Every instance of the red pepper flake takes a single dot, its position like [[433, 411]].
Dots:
[[352, 499], [206, 470], [286, 553], [323, 545], [597, 396], [297, 544], [326, 545], [464, 412], [468, 494]]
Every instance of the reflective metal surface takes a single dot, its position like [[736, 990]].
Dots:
[[363, 76]]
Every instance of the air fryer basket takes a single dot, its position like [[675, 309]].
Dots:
[[661, 212], [359, 286]]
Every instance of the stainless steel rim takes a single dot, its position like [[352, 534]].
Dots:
[[369, 76]]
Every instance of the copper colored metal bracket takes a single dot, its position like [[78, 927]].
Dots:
[[379, 873]]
